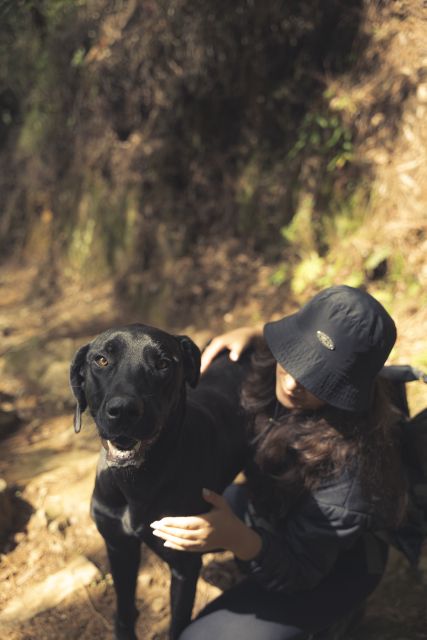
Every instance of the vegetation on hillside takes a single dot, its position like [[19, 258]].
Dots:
[[139, 138], [184, 148]]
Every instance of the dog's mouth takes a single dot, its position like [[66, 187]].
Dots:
[[123, 451]]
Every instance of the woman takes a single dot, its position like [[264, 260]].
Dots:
[[324, 475]]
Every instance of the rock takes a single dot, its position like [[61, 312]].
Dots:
[[422, 92], [50, 592], [377, 119], [145, 580], [157, 605]]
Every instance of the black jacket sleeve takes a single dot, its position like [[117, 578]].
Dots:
[[300, 552]]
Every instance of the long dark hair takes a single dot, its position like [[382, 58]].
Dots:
[[296, 451]]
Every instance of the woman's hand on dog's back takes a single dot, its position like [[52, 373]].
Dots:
[[236, 341]]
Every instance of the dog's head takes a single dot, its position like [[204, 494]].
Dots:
[[132, 379]]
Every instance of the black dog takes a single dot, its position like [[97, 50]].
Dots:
[[159, 449]]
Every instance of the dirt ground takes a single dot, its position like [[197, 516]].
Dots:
[[54, 574]]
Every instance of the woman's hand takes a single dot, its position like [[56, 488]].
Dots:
[[236, 341], [218, 529]]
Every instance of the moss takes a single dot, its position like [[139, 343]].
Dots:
[[280, 275], [300, 230], [102, 239], [82, 240], [307, 273]]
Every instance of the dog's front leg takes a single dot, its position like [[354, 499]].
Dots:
[[124, 556], [184, 575]]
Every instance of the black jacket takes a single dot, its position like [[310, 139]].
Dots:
[[303, 548]]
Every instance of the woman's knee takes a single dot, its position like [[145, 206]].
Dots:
[[230, 626]]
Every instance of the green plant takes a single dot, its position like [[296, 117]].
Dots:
[[324, 135]]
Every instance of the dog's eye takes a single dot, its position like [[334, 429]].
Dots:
[[101, 361], [162, 364]]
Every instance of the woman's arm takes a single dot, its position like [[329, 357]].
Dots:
[[235, 341], [304, 548]]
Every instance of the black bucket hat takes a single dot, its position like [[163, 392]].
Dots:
[[335, 345]]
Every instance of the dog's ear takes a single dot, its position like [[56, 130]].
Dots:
[[77, 385], [192, 357]]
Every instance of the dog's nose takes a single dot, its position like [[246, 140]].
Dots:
[[123, 407]]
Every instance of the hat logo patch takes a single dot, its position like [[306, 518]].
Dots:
[[326, 340]]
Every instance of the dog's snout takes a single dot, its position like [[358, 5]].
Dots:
[[123, 408]]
